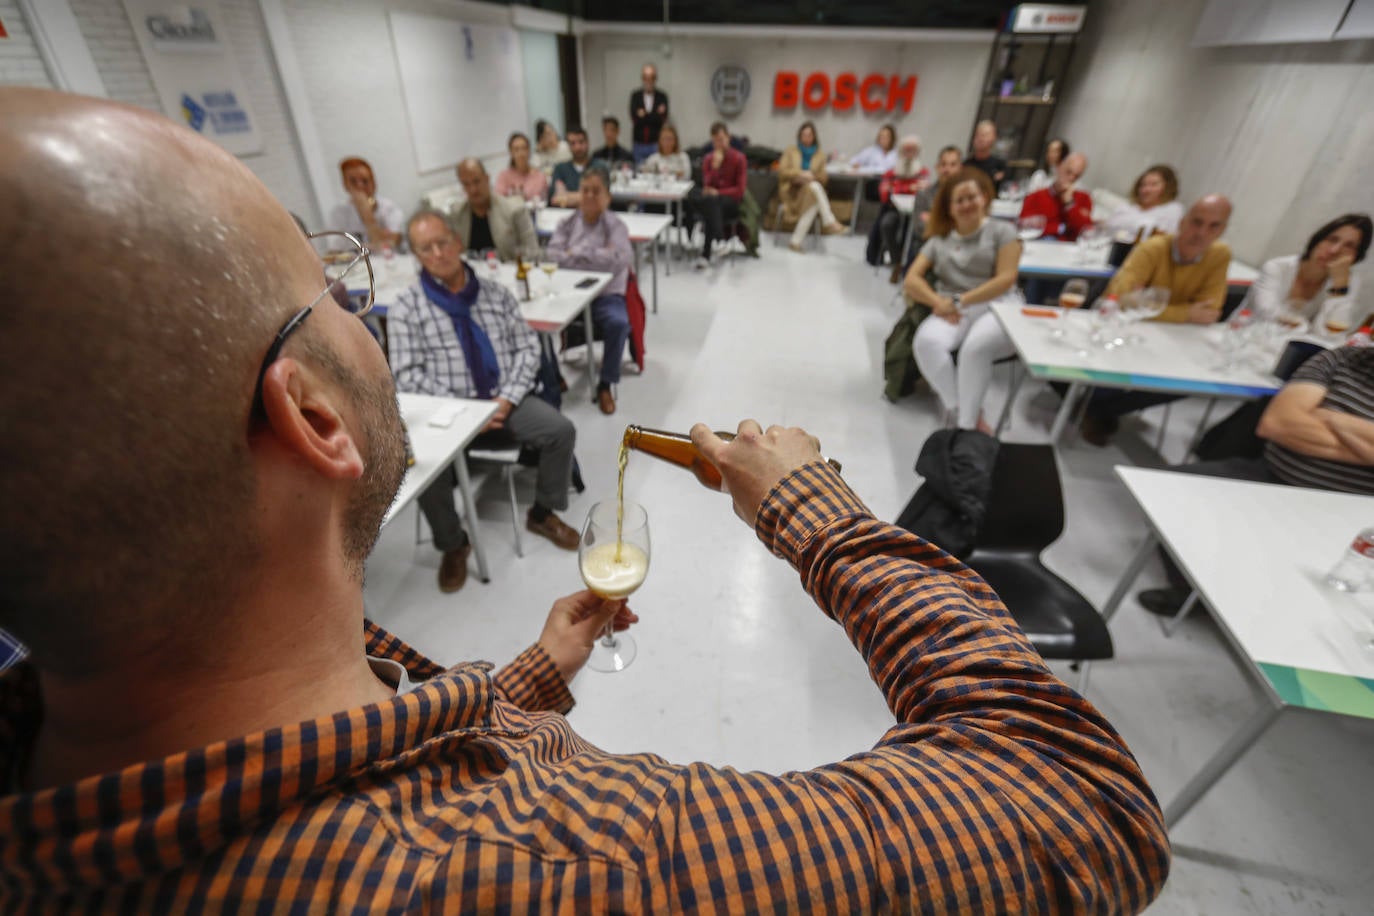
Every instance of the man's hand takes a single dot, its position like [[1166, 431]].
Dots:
[[1339, 270], [1204, 312], [575, 624], [754, 462], [710, 192], [1066, 195], [498, 419]]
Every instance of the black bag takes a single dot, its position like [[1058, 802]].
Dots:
[[949, 508]]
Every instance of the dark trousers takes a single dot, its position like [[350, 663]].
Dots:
[[1110, 404], [714, 210], [610, 318], [532, 423], [891, 223], [1255, 469]]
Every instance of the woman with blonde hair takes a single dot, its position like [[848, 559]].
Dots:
[[1154, 206], [801, 186], [974, 261], [669, 159]]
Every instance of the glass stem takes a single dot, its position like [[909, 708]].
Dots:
[[608, 637]]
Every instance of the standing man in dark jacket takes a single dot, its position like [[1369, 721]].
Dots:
[[648, 112]]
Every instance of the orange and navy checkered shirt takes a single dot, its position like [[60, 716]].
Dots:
[[998, 789]]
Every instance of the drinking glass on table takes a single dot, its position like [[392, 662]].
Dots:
[[1030, 227], [1071, 297], [613, 567], [549, 267], [1337, 322]]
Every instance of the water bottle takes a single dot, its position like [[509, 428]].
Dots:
[[1355, 571], [1364, 337]]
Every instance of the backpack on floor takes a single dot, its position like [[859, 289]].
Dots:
[[900, 374]]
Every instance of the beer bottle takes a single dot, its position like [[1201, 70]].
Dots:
[[678, 449], [522, 278]]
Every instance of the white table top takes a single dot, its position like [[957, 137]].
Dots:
[[543, 312], [1257, 553], [650, 188], [1175, 358], [643, 227], [435, 447], [1053, 258], [1005, 209]]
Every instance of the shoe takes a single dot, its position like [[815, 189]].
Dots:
[[896, 274], [795, 247], [1165, 602], [1097, 431], [453, 570], [605, 400], [835, 228], [553, 528], [701, 264]]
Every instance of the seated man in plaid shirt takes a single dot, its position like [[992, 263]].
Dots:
[[459, 335], [207, 723]]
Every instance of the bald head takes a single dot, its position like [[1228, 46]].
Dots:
[[984, 136], [146, 273], [1202, 225], [1070, 170]]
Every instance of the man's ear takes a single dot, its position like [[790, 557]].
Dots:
[[304, 415]]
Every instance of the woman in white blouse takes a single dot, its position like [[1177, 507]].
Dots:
[[1317, 286], [549, 150], [1153, 207], [1043, 177], [670, 159], [881, 156]]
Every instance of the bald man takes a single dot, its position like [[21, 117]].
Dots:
[[981, 155], [1065, 208], [200, 728], [486, 221], [1192, 264]]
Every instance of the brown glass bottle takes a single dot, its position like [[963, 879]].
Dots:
[[678, 449]]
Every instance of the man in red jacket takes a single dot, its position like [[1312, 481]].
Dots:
[[1067, 210], [723, 178]]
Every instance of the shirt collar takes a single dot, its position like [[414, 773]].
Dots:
[[101, 830], [1178, 258]]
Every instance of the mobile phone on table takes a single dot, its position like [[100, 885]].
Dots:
[[586, 282]]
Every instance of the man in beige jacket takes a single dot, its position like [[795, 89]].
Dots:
[[487, 221]]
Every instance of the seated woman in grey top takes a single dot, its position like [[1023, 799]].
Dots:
[[973, 260]]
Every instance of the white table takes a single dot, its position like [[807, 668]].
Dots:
[[437, 447], [905, 204], [656, 189], [857, 176], [1306, 645], [643, 227], [1173, 358], [1053, 258], [1003, 208], [547, 315]]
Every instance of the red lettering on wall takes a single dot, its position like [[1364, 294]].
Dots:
[[846, 85], [816, 91], [785, 89], [903, 93], [866, 100]]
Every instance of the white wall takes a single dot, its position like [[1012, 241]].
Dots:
[[543, 87], [1282, 129], [20, 62], [353, 87], [949, 76], [114, 48]]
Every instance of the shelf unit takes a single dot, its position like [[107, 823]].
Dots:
[[1024, 119]]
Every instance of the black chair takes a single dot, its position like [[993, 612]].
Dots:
[[1025, 515]]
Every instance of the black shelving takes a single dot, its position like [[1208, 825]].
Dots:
[[1024, 117]]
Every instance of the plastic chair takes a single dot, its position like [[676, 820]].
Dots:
[[507, 458], [1025, 515]]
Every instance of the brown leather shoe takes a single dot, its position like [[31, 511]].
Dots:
[[605, 400], [553, 528], [896, 274], [1096, 431], [453, 571]]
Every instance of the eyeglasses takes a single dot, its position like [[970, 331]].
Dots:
[[438, 245], [334, 248]]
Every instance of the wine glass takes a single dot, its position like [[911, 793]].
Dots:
[[613, 568], [1143, 305], [1030, 227], [1071, 297], [1090, 248], [1337, 322], [549, 266]]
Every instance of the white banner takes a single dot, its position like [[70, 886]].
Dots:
[[194, 70], [1047, 18]]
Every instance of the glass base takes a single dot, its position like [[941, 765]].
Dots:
[[613, 655]]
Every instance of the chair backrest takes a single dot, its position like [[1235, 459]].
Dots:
[[1025, 508]]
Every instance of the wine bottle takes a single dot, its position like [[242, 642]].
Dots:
[[522, 278], [678, 449]]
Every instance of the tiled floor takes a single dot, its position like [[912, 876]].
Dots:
[[736, 666]]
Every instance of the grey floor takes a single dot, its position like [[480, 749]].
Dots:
[[736, 665]]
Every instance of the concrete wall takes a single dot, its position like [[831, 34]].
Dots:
[[1282, 129], [949, 76]]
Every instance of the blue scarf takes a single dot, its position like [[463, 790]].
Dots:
[[807, 152], [477, 349]]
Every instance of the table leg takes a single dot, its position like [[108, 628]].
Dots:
[[1171, 624], [662, 243], [1123, 586], [593, 364], [1256, 725], [655, 274], [1066, 409], [858, 196], [900, 256], [460, 465], [1201, 428]]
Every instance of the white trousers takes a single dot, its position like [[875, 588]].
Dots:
[[979, 340], [821, 207]]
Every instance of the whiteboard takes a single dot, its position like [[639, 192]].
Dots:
[[463, 84]]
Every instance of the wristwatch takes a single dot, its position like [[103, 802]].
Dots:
[[1339, 290], [958, 300]]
